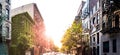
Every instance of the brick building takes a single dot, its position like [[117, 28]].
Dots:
[[22, 34], [38, 27]]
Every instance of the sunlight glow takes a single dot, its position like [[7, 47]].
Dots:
[[58, 15]]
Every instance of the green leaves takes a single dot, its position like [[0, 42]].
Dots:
[[71, 37], [55, 48], [22, 36]]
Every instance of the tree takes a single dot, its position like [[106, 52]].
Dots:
[[72, 36], [55, 48], [22, 36]]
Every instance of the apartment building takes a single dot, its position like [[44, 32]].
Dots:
[[5, 26], [38, 28], [110, 27], [103, 26], [85, 22], [95, 34], [22, 34], [83, 15]]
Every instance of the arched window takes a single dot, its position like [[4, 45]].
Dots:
[[94, 20]]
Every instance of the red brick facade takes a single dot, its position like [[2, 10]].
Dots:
[[39, 30]]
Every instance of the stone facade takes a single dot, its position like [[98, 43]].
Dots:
[[95, 34], [110, 38], [103, 31], [5, 26]]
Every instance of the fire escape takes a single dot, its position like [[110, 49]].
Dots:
[[111, 15]]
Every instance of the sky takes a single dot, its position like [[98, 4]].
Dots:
[[58, 15]]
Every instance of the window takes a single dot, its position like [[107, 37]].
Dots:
[[0, 39], [0, 29], [97, 38], [86, 25], [97, 50], [1, 34], [8, 1], [92, 11], [7, 13], [94, 39], [90, 40], [117, 21], [95, 7], [104, 18], [94, 50], [7, 32], [106, 46], [97, 19], [0, 9], [94, 20], [114, 46], [97, 4]]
